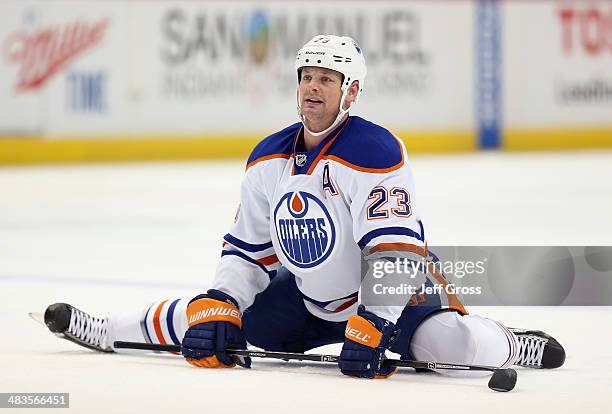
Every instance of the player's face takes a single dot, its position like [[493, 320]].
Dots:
[[320, 95]]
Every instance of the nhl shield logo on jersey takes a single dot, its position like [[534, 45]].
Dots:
[[305, 229], [300, 160]]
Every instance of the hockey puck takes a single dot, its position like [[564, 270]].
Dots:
[[503, 380]]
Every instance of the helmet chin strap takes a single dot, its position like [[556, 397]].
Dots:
[[341, 113]]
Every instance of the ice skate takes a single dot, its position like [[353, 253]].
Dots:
[[79, 327], [538, 349]]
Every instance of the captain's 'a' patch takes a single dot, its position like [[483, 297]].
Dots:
[[328, 184]]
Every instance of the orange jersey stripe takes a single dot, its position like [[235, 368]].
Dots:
[[364, 169], [157, 324], [404, 247], [265, 158], [346, 305], [268, 260]]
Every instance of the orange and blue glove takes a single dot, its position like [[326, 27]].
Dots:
[[367, 336], [214, 326]]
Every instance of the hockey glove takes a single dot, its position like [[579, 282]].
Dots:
[[214, 325], [367, 336]]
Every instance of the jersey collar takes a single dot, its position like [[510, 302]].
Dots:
[[305, 161]]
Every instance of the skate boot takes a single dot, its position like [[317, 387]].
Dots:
[[69, 323], [538, 350]]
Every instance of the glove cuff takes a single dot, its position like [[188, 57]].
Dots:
[[205, 309], [362, 331], [370, 330]]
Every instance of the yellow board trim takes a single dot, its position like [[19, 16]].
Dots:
[[49, 150], [418, 142], [38, 150], [34, 150], [557, 139]]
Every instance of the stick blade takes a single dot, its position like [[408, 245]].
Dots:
[[503, 380]]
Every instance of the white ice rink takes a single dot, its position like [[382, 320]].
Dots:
[[108, 237]]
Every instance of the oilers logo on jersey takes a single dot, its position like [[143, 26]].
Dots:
[[305, 229]]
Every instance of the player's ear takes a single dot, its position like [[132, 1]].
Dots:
[[355, 88], [351, 95]]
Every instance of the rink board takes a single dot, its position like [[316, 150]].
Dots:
[[209, 79]]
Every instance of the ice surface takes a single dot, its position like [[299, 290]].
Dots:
[[108, 237]]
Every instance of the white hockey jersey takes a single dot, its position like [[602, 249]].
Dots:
[[314, 212]]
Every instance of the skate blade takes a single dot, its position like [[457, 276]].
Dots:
[[38, 317]]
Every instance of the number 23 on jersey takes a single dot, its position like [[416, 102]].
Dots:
[[384, 202]]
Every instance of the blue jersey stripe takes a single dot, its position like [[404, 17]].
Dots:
[[246, 246], [383, 231], [422, 231], [248, 259], [143, 324], [327, 302], [170, 322]]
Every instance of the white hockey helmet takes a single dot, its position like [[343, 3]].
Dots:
[[339, 53]]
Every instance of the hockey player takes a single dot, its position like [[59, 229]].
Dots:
[[317, 198]]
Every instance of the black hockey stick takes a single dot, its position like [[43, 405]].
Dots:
[[503, 379]]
